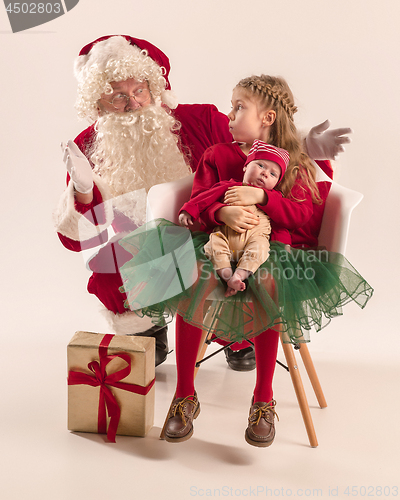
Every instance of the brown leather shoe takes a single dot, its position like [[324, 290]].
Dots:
[[261, 428], [180, 420]]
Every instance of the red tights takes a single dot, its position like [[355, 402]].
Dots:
[[187, 345]]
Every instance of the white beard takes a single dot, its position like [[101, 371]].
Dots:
[[134, 151]]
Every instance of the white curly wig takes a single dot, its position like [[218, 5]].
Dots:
[[118, 58]]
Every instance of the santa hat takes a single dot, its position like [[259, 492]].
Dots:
[[119, 57], [262, 151]]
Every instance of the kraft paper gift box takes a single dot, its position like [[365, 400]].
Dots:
[[111, 384]]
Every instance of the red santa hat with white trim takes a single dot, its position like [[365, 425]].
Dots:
[[119, 57], [260, 150]]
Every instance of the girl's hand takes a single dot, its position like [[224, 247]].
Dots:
[[240, 219], [244, 196], [185, 219]]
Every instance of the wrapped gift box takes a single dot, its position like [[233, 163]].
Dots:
[[111, 384]]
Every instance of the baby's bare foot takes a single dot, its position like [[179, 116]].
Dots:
[[230, 291], [236, 283], [225, 273]]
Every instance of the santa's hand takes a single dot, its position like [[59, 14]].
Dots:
[[185, 219], [324, 144], [78, 167]]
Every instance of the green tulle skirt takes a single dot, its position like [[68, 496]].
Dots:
[[294, 289]]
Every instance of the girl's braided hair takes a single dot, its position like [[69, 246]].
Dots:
[[274, 93], [274, 88]]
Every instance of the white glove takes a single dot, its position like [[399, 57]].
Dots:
[[78, 167], [324, 144]]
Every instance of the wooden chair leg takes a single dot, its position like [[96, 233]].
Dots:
[[312, 374], [300, 393], [200, 355]]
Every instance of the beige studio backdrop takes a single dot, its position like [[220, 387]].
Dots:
[[341, 59]]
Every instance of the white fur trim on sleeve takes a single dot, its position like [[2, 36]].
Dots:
[[73, 224]]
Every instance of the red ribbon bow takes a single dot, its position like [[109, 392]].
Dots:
[[107, 401]]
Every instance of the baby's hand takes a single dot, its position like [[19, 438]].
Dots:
[[288, 249], [185, 219]]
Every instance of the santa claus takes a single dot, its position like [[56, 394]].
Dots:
[[139, 137]]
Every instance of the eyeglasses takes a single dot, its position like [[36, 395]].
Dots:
[[120, 101]]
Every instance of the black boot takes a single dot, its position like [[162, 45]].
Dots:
[[160, 334], [241, 361]]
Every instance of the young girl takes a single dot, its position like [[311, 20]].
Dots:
[[262, 109]]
